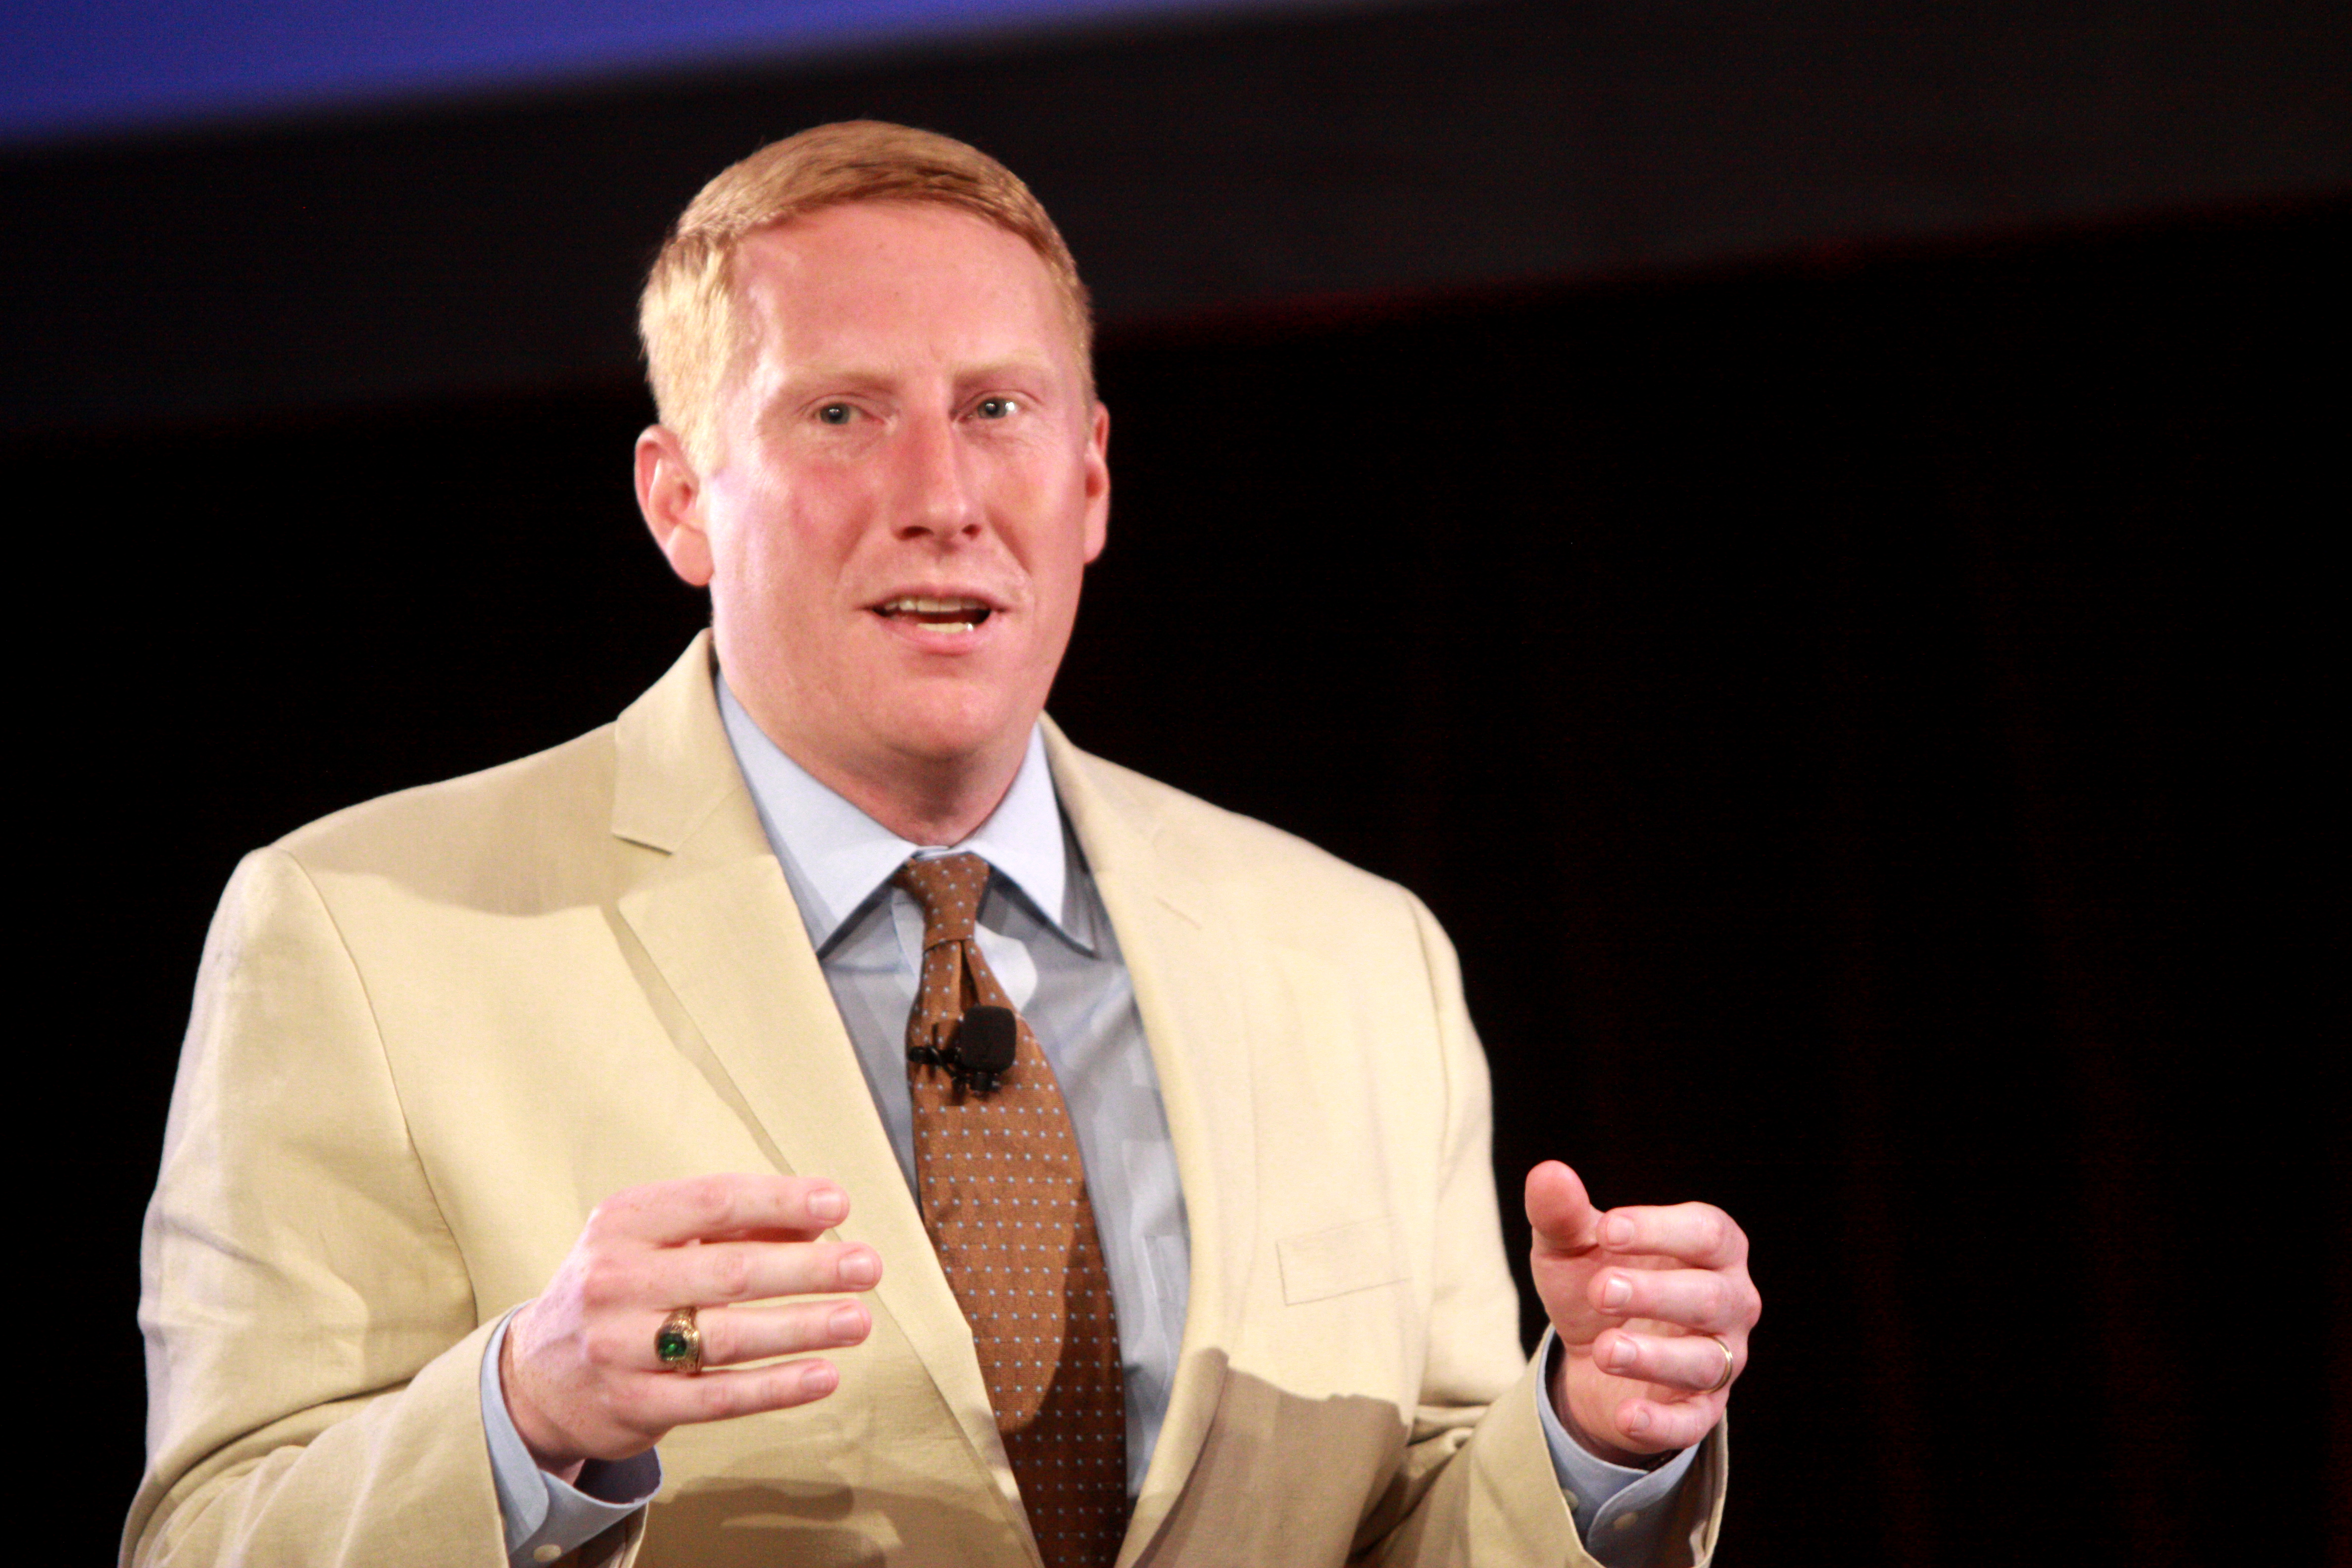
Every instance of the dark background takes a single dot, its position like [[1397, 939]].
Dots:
[[1803, 538]]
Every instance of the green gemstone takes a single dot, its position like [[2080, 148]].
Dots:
[[670, 1345]]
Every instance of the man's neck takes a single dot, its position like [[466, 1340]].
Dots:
[[922, 801], [933, 801]]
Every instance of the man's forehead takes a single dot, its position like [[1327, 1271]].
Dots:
[[877, 266], [873, 292]]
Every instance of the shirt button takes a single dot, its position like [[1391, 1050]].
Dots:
[[548, 1552], [1629, 1518]]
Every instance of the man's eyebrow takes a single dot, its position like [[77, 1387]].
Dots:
[[805, 375], [1008, 364]]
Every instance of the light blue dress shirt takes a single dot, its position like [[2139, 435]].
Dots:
[[1043, 930]]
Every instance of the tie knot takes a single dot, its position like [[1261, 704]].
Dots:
[[947, 888]]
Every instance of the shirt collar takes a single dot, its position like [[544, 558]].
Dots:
[[834, 856]]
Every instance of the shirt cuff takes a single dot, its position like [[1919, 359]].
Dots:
[[546, 1518], [1621, 1512]]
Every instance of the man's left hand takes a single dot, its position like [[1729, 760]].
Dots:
[[1653, 1308]]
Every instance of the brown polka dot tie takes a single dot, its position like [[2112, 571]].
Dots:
[[1004, 1198]]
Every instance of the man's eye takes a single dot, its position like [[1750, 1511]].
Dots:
[[997, 407], [835, 414]]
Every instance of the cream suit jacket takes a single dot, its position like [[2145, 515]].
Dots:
[[431, 1033]]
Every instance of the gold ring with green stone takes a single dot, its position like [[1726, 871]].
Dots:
[[678, 1344]]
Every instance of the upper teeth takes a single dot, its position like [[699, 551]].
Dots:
[[933, 606]]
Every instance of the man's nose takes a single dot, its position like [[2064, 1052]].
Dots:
[[936, 495]]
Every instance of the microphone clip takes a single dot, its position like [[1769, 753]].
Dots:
[[979, 1051]]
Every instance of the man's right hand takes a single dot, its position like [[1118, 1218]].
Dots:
[[581, 1376]]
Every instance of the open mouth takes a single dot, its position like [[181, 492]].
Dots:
[[939, 615]]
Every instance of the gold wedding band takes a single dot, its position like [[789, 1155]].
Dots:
[[1729, 1361], [678, 1344]]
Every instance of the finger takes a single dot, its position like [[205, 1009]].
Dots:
[[1705, 1301], [1700, 1234], [732, 1335], [661, 1400], [1692, 1362], [1562, 1216], [1661, 1427], [754, 1270], [699, 1208]]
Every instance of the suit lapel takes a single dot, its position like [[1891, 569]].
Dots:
[[719, 923], [1184, 968]]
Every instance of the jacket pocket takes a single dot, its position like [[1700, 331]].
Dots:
[[1357, 1255]]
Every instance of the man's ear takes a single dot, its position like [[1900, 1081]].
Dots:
[[669, 493], [1097, 462]]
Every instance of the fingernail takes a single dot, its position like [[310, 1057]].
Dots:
[[1637, 1423], [819, 1377], [1617, 1292], [1621, 1355], [860, 1269], [847, 1322], [828, 1204], [1617, 1231]]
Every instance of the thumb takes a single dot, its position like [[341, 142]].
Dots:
[[1566, 1224]]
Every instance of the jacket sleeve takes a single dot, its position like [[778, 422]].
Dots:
[[1477, 1483], [313, 1352]]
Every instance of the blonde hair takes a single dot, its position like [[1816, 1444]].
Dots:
[[692, 323]]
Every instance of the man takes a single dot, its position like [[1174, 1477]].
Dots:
[[938, 1145]]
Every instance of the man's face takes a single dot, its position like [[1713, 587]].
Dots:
[[910, 482]]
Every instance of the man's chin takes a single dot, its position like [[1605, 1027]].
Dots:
[[949, 737], [944, 752]]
